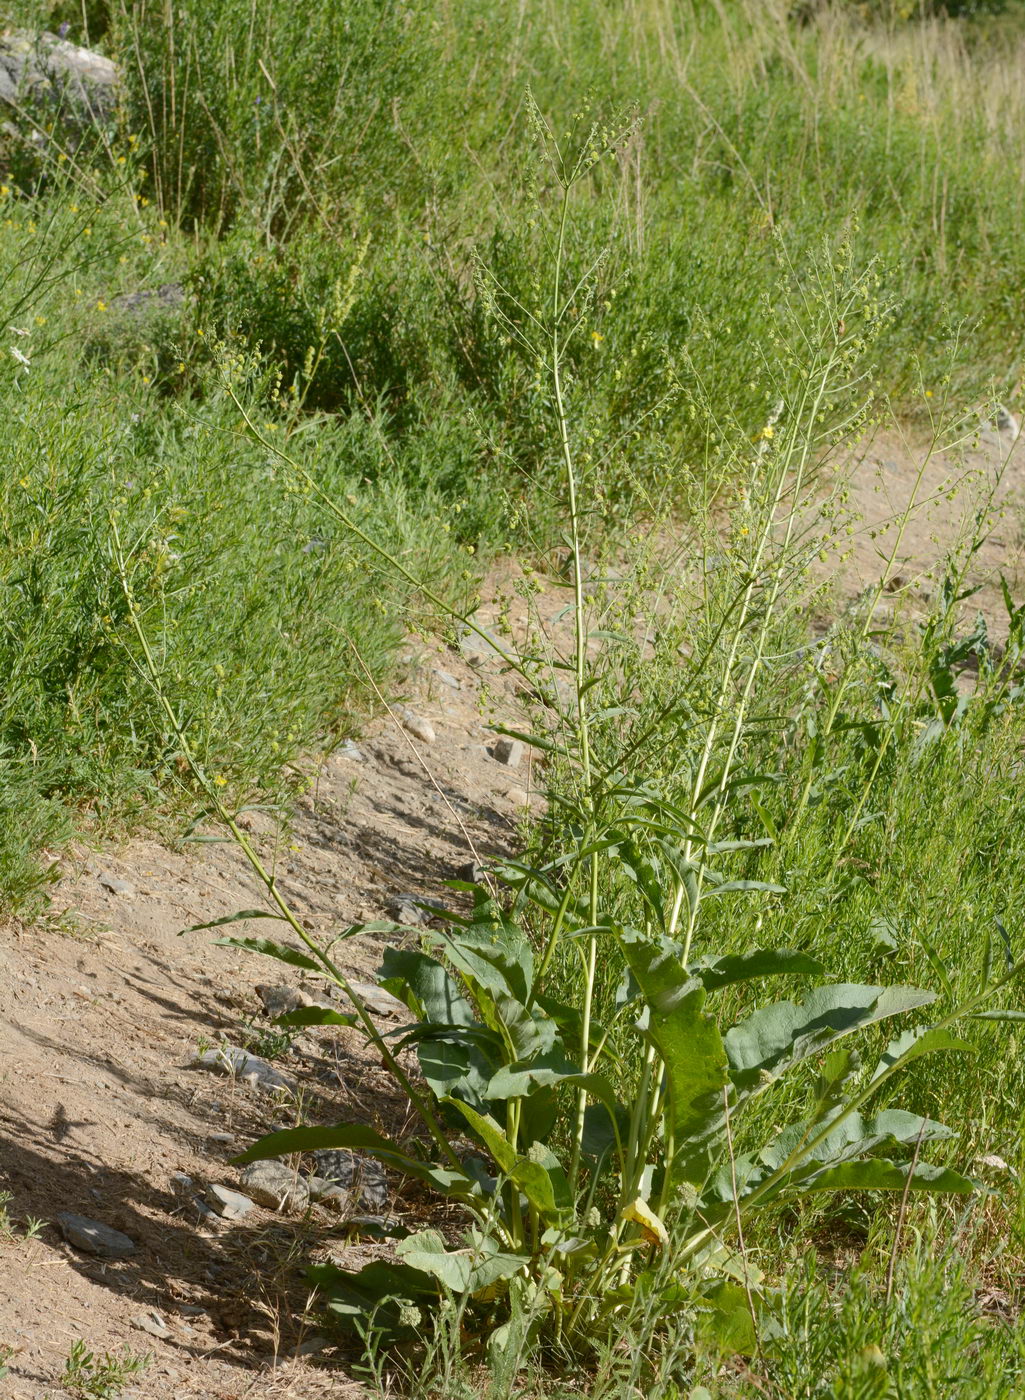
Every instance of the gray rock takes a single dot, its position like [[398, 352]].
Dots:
[[275, 1186], [232, 1205], [91, 1237], [312, 1346], [405, 909], [377, 1000], [362, 1176], [509, 751], [181, 1183], [152, 1323], [329, 1194], [348, 750], [479, 649], [43, 71], [150, 300], [116, 886], [230, 1059], [472, 872], [447, 678], [416, 725]]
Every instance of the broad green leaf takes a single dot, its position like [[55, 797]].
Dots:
[[423, 984], [354, 1135], [761, 962], [723, 1319], [281, 951], [464, 1270], [691, 1048], [489, 1132], [769, 1041], [522, 1076], [879, 1174], [913, 1043]]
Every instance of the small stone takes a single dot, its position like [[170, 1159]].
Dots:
[[229, 1059], [509, 751], [447, 678], [359, 1174], [405, 909], [311, 1346], [203, 1213], [232, 1205], [518, 797], [91, 1237], [1006, 422], [377, 1000], [181, 1183], [419, 727], [275, 1186], [115, 886], [152, 1323], [329, 1194], [472, 873], [350, 752], [221, 1137], [479, 647]]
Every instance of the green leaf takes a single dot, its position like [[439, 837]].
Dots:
[[467, 1270], [913, 1043], [423, 984], [691, 1048], [773, 1039], [489, 1132], [281, 951], [761, 962], [233, 919], [879, 1174], [312, 1139]]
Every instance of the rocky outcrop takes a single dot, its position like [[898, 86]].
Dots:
[[45, 79]]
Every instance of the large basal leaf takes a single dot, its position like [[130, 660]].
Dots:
[[879, 1174], [913, 1043], [774, 1038], [424, 985], [761, 962], [466, 1270], [522, 1077], [354, 1135], [691, 1049]]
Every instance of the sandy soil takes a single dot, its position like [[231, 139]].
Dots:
[[104, 1004]]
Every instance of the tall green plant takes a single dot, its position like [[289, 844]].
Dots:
[[598, 1144]]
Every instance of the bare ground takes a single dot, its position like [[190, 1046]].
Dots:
[[104, 1004]]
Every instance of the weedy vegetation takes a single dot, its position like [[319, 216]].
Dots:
[[716, 1083]]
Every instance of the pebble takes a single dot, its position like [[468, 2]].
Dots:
[[230, 1059], [405, 909], [477, 649], [448, 679], [275, 1186], [419, 727], [115, 886], [518, 797], [232, 1205], [509, 751], [350, 751], [311, 1346], [152, 1323], [377, 1000], [91, 1237], [329, 1194], [354, 1172]]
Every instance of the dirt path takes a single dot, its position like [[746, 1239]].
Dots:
[[103, 1006]]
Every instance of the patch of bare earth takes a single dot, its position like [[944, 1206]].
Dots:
[[104, 1005]]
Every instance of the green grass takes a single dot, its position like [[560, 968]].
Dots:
[[326, 185]]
